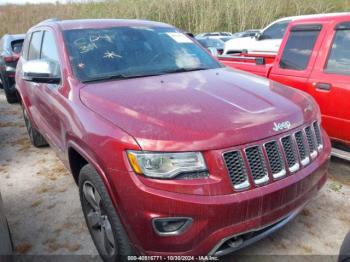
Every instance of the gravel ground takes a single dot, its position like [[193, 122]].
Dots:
[[43, 208]]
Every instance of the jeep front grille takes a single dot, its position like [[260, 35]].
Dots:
[[273, 159]]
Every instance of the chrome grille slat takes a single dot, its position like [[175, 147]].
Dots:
[[317, 135], [290, 153], [275, 159], [256, 164], [236, 169], [303, 152], [311, 141]]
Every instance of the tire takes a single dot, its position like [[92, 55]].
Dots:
[[10, 235], [11, 97], [35, 137], [344, 254], [101, 217]]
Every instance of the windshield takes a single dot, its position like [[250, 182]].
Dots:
[[126, 52]]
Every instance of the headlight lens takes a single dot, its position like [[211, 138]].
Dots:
[[165, 165]]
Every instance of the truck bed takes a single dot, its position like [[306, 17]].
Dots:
[[259, 64]]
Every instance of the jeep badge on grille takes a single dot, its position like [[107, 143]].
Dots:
[[280, 126]]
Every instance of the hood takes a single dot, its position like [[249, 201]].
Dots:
[[252, 45], [201, 110]]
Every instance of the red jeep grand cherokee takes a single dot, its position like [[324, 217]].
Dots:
[[173, 153]]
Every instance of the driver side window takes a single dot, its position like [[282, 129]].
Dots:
[[49, 49], [34, 46]]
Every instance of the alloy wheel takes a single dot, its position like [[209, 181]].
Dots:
[[97, 220]]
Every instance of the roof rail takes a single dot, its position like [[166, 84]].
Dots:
[[49, 20]]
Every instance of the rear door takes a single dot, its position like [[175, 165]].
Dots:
[[330, 82], [49, 101], [33, 53]]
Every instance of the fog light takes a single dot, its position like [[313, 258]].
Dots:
[[171, 226]]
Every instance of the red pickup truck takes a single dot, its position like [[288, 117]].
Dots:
[[173, 153], [314, 57]]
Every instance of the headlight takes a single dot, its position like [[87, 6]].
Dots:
[[165, 165]]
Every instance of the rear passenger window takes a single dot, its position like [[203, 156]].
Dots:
[[49, 49], [339, 57], [297, 52], [34, 47]]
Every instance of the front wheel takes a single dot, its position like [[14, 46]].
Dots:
[[344, 254], [104, 225]]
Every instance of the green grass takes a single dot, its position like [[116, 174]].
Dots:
[[191, 15]]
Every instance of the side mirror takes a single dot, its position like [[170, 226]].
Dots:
[[190, 34], [258, 36], [213, 51], [42, 71]]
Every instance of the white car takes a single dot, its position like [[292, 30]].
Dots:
[[267, 41], [215, 35]]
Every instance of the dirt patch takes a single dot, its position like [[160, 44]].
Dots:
[[53, 245], [54, 172], [3, 168], [23, 144], [7, 124], [36, 203], [23, 248]]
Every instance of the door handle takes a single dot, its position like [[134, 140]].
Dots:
[[323, 86]]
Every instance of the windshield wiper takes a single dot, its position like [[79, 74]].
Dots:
[[124, 76], [184, 69], [119, 76]]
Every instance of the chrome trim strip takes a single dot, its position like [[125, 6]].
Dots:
[[313, 154], [262, 180], [280, 174], [305, 161], [336, 152], [242, 185], [294, 167]]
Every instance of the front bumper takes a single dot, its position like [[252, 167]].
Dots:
[[233, 243], [216, 217]]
